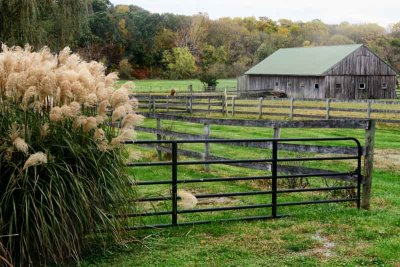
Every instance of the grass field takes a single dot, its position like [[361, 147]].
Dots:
[[324, 235], [164, 86]]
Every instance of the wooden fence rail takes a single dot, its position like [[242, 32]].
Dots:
[[365, 124], [386, 111]]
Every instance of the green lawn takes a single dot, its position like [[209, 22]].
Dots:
[[323, 235], [179, 85]]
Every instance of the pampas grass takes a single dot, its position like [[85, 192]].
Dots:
[[21, 145], [187, 200], [35, 159], [62, 162]]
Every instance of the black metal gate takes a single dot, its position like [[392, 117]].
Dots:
[[354, 176]]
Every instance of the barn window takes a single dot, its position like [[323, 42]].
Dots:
[[289, 84], [276, 83], [362, 86], [384, 85], [316, 86], [338, 86]]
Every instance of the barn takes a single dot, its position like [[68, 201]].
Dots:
[[342, 72]]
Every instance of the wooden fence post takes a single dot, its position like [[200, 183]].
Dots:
[[159, 152], [190, 99], [368, 164], [154, 105], [209, 105], [150, 103], [225, 103], [369, 109], [233, 105], [260, 107], [328, 108], [277, 133], [291, 108], [206, 154], [167, 104]]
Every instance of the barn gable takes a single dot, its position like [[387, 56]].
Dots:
[[361, 62], [303, 61]]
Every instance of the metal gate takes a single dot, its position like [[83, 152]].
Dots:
[[354, 176]]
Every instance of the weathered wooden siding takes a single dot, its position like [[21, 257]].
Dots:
[[361, 62], [350, 87], [242, 83], [301, 86]]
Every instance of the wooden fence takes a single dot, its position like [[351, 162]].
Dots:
[[368, 149], [380, 110]]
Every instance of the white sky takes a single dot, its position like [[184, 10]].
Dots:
[[383, 12]]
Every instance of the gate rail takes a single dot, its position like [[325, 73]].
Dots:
[[354, 176]]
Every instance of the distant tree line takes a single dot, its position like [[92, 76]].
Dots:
[[142, 45]]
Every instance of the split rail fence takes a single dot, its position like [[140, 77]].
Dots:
[[379, 110]]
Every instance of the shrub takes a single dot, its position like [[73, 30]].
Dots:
[[209, 77], [125, 69], [180, 63], [61, 159]]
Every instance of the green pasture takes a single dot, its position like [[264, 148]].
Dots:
[[315, 235], [165, 86]]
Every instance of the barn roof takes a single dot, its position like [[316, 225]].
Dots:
[[303, 61]]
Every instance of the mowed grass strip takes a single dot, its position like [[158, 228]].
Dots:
[[164, 86]]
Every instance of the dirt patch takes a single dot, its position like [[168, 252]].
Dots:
[[326, 246], [387, 159], [323, 250]]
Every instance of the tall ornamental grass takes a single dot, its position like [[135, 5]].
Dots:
[[61, 160]]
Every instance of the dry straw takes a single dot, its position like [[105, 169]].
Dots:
[[187, 199]]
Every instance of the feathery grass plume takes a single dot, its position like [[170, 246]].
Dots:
[[47, 86], [99, 135], [111, 78], [64, 54], [188, 200], [118, 113], [91, 99], [91, 123], [100, 119], [131, 120], [56, 114], [103, 107], [119, 97], [134, 156], [44, 130], [31, 92], [38, 158], [21, 145], [75, 108], [14, 132], [67, 111], [134, 103], [101, 92], [80, 121], [124, 136]]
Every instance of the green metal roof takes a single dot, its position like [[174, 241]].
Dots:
[[303, 61]]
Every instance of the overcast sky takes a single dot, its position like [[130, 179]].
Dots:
[[383, 12]]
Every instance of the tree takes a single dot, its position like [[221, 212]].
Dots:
[[53, 23], [339, 40], [125, 69], [180, 63]]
